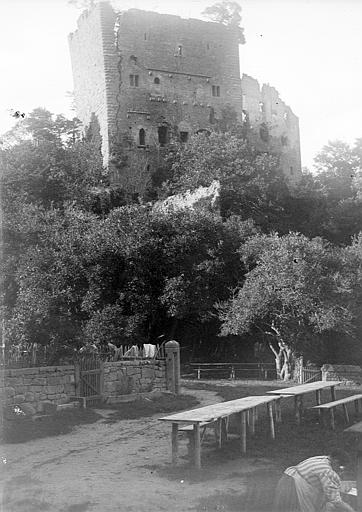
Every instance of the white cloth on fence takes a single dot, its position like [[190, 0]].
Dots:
[[310, 498], [149, 350]]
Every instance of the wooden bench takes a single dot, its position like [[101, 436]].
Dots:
[[330, 406], [220, 427]]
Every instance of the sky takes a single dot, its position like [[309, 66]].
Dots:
[[309, 50]]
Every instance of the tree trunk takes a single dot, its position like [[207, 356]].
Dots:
[[284, 360]]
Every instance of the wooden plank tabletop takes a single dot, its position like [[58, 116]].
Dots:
[[305, 388], [220, 410]]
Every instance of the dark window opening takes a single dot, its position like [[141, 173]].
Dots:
[[216, 90], [184, 136], [156, 80], [291, 171], [133, 59], [133, 80], [148, 168], [162, 135], [142, 137], [284, 140], [264, 132], [145, 36], [212, 116]]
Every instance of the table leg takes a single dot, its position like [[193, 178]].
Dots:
[[333, 393], [190, 445], [278, 410], [345, 410], [359, 478], [333, 424], [318, 400], [356, 407], [197, 446], [174, 437], [224, 429], [243, 431], [252, 429], [271, 419], [297, 409], [219, 431]]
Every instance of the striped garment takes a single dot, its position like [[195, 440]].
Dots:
[[318, 472]]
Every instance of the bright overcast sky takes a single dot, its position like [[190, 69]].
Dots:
[[310, 50]]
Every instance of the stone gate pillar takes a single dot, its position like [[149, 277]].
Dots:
[[172, 349]]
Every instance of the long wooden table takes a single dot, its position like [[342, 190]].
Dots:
[[217, 412], [302, 389]]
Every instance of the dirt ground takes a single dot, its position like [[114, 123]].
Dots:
[[124, 465]]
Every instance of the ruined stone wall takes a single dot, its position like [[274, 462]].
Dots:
[[137, 376], [264, 105], [31, 387], [94, 63]]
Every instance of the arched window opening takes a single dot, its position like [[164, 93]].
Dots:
[[156, 80], [142, 137], [162, 135]]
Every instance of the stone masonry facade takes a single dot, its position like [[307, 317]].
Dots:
[[31, 388], [148, 78]]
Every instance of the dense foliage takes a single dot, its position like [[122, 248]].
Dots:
[[85, 263]]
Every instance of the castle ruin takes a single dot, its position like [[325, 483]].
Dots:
[[146, 78]]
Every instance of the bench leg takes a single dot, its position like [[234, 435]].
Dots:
[[271, 419], [224, 429], [174, 440], [333, 424], [197, 446], [345, 410]]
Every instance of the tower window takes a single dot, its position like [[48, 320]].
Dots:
[[133, 59], [179, 50], [162, 135], [291, 171], [142, 137], [145, 36], [133, 80], [216, 90], [156, 80], [184, 136]]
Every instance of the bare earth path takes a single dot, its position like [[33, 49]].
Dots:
[[122, 466]]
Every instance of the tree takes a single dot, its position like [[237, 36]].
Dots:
[[295, 290], [227, 13], [252, 183]]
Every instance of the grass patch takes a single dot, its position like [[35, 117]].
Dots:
[[293, 443]]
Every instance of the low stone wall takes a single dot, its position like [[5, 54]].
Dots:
[[346, 373], [137, 376], [30, 388]]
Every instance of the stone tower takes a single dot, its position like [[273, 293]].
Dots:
[[145, 79]]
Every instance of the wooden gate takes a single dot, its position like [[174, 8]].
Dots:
[[310, 375], [89, 376]]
